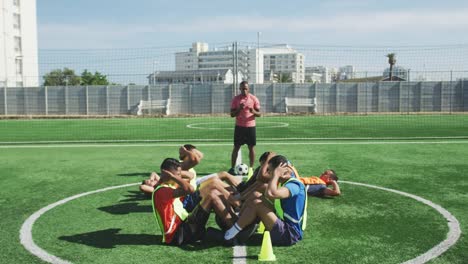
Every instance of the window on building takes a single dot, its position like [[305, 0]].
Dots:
[[16, 21], [16, 2], [19, 65], [19, 84], [17, 44]]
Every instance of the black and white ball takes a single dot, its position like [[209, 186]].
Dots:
[[241, 169]]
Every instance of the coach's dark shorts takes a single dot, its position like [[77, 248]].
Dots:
[[284, 234], [245, 135]]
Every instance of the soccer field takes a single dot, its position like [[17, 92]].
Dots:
[[425, 156]]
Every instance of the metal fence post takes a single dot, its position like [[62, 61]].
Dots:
[[87, 99], [336, 97], [450, 92], [378, 95], [25, 101], [107, 100], [5, 101], [66, 99], [366, 95], [420, 96], [128, 98], [399, 96], [148, 95], [211, 98], [46, 100], [462, 95], [273, 97], [190, 99]]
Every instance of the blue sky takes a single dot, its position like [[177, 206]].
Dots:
[[110, 24], [126, 40]]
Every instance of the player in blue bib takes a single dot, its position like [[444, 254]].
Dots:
[[281, 207]]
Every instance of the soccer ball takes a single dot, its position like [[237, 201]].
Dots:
[[241, 169]]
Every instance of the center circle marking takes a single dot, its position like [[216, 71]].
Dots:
[[453, 234]]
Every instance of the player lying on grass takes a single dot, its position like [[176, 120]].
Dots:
[[189, 156], [281, 207], [318, 186], [177, 225]]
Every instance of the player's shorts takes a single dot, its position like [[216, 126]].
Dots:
[[191, 200], [185, 233], [316, 189], [245, 135], [284, 234]]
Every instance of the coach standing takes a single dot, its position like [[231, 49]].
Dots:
[[245, 107]]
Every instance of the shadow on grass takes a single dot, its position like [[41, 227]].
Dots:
[[147, 174], [135, 196], [126, 208], [110, 238]]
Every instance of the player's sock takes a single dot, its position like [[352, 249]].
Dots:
[[232, 232]]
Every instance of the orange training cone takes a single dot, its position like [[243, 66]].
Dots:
[[266, 252]]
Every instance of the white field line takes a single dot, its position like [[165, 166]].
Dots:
[[239, 254], [221, 140], [122, 145], [201, 125], [26, 238], [454, 226]]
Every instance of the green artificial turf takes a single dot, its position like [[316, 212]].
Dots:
[[362, 226], [221, 128]]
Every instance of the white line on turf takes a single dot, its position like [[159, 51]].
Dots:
[[454, 226], [203, 127], [452, 236], [239, 255], [123, 145], [218, 140], [26, 229]]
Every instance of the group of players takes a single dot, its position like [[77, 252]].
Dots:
[[274, 194]]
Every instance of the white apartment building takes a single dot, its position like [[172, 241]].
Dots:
[[318, 74], [18, 52], [255, 64], [347, 72], [281, 60], [224, 76], [321, 74], [199, 57]]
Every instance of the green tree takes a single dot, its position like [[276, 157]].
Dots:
[[88, 78], [391, 60], [283, 77], [60, 77]]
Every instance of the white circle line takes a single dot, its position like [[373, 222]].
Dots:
[[197, 126], [26, 238], [453, 235], [454, 226]]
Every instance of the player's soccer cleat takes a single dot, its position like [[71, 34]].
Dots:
[[246, 233]]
